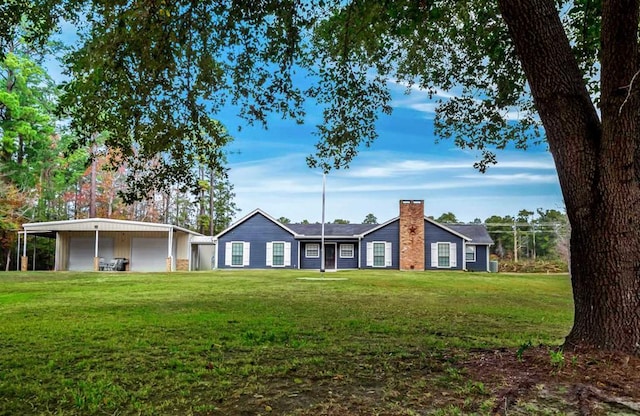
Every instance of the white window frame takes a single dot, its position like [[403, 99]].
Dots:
[[286, 255], [453, 260], [388, 257], [351, 251], [246, 251], [306, 250], [470, 249]]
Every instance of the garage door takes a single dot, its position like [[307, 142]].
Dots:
[[82, 250], [148, 255]]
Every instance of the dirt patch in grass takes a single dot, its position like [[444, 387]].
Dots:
[[538, 381], [546, 381]]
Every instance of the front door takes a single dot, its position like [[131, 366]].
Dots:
[[329, 256]]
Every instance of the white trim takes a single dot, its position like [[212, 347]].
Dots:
[[246, 253], [228, 255], [269, 255], [475, 248], [453, 255], [353, 250], [335, 256], [306, 250], [453, 260], [286, 261], [251, 214], [369, 262], [387, 254]]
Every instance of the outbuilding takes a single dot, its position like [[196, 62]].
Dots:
[[109, 244]]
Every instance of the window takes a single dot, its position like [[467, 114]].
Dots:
[[378, 255], [346, 251], [312, 250], [443, 255], [237, 249], [278, 254], [236, 253], [470, 253]]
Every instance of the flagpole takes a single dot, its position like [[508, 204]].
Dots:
[[324, 180]]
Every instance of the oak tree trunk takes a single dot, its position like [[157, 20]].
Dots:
[[598, 162]]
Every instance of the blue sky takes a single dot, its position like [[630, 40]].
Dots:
[[269, 171]]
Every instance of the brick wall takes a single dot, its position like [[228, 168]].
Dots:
[[412, 235], [182, 265]]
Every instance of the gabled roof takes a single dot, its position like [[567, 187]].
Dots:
[[476, 232], [101, 224], [330, 230], [251, 214]]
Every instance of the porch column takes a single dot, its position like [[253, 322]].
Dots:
[[18, 253], [96, 259], [169, 251], [24, 261]]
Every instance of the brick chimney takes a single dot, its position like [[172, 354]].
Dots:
[[412, 234]]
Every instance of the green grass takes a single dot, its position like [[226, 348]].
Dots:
[[252, 342]]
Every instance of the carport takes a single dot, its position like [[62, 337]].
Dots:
[[94, 243]]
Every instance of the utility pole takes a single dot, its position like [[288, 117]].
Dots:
[[515, 242], [92, 191]]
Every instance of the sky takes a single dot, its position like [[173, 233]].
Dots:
[[268, 170]]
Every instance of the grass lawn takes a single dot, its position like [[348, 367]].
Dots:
[[265, 342]]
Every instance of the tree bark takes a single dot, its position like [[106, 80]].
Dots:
[[597, 162]]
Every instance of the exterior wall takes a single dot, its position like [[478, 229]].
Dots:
[[311, 262], [480, 265], [122, 243], [341, 263], [182, 246], [389, 233], [257, 230], [435, 234], [348, 263], [411, 245]]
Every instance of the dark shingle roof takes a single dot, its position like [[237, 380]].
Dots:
[[476, 232], [330, 230]]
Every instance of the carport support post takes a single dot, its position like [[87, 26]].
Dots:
[[24, 260], [170, 246], [96, 259]]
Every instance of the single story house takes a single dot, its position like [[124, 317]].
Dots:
[[410, 241], [108, 244]]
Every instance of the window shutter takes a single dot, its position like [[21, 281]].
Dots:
[[453, 258], [269, 254], [227, 254], [434, 254], [246, 250], [387, 254], [369, 254], [287, 254]]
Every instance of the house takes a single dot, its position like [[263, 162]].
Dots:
[[410, 241], [108, 244]]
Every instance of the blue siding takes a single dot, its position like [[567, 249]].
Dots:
[[348, 263], [314, 263], [480, 265], [435, 234], [308, 263], [391, 233], [257, 230]]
